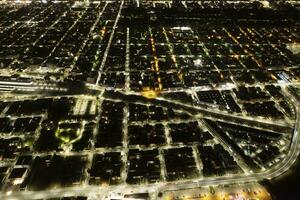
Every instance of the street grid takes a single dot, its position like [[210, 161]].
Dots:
[[97, 101]]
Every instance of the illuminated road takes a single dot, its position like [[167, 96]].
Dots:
[[111, 191], [238, 44], [275, 171]]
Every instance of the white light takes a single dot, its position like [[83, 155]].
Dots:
[[198, 62], [183, 28], [9, 192], [266, 4], [17, 181]]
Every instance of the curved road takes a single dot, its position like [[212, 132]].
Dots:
[[273, 172]]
